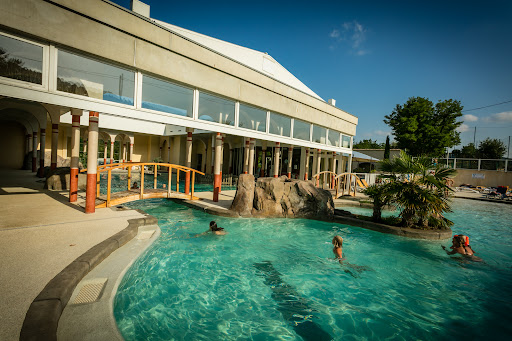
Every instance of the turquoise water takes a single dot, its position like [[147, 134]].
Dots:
[[120, 182], [276, 279]]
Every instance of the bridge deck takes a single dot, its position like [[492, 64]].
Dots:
[[119, 198]]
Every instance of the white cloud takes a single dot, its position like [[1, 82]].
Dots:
[[505, 116], [353, 34], [463, 128], [378, 133], [469, 118]]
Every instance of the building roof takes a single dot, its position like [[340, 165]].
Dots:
[[259, 61], [357, 156]]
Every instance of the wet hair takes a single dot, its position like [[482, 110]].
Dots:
[[459, 240], [337, 241], [214, 227]]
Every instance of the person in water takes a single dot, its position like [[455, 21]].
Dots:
[[337, 241], [214, 229], [460, 244], [135, 185]]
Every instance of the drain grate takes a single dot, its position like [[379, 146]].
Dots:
[[90, 291], [146, 234]]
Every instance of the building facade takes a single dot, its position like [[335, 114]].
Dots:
[[143, 88]]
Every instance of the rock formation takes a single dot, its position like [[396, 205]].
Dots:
[[58, 179], [281, 197]]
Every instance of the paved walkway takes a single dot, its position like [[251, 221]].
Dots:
[[40, 234]]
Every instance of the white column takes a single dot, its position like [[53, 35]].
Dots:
[[251, 156]]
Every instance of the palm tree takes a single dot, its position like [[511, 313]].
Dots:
[[419, 188]]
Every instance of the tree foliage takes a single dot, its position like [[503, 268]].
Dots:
[[368, 144], [387, 148], [424, 128], [491, 149]]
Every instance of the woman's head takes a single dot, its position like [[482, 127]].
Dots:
[[337, 241], [214, 227], [459, 240]]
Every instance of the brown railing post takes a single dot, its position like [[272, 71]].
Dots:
[[177, 180], [155, 172], [109, 186], [142, 181], [129, 177], [193, 183], [169, 181]]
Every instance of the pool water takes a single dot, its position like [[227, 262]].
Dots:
[[277, 279]]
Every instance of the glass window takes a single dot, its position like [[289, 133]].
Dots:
[[167, 97], [301, 130], [87, 77], [345, 142], [216, 109], [319, 134], [20, 60], [333, 138], [280, 125], [252, 118]]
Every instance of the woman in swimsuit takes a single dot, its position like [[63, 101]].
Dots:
[[460, 244], [337, 241], [213, 229]]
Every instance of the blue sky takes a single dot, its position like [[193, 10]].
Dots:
[[372, 55]]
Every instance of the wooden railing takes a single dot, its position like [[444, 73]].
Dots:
[[339, 182], [129, 165]]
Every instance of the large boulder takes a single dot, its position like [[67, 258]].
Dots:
[[281, 197], [58, 179]]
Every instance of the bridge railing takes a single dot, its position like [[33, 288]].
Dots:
[[190, 174], [340, 182]]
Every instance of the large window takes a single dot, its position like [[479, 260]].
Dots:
[[301, 130], [252, 118], [83, 76], [167, 97], [333, 138], [345, 142], [319, 134], [216, 109], [281, 125], [20, 60]]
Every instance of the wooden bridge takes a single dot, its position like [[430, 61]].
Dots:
[[138, 192], [339, 183]]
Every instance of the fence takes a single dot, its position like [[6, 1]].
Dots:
[[504, 165]]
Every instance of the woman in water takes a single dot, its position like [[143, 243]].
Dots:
[[213, 229], [337, 241], [460, 244]]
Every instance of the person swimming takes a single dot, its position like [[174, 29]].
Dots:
[[337, 241], [460, 245], [214, 229]]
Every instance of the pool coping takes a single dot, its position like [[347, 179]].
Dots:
[[42, 318]]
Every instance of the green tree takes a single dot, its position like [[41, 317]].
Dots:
[[368, 144], [491, 149], [381, 196], [387, 148], [424, 128], [419, 188]]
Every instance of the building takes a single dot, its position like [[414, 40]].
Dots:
[[93, 71]]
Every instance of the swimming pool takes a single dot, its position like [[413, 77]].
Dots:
[[276, 279]]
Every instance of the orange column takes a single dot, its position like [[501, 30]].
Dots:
[[217, 177], [277, 155], [188, 160], [318, 165], [290, 155], [55, 145], [75, 153], [92, 162], [41, 157], [34, 151]]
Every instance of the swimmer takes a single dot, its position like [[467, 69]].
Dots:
[[337, 241], [135, 185], [460, 244], [214, 229]]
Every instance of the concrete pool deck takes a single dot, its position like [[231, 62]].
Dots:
[[40, 235]]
